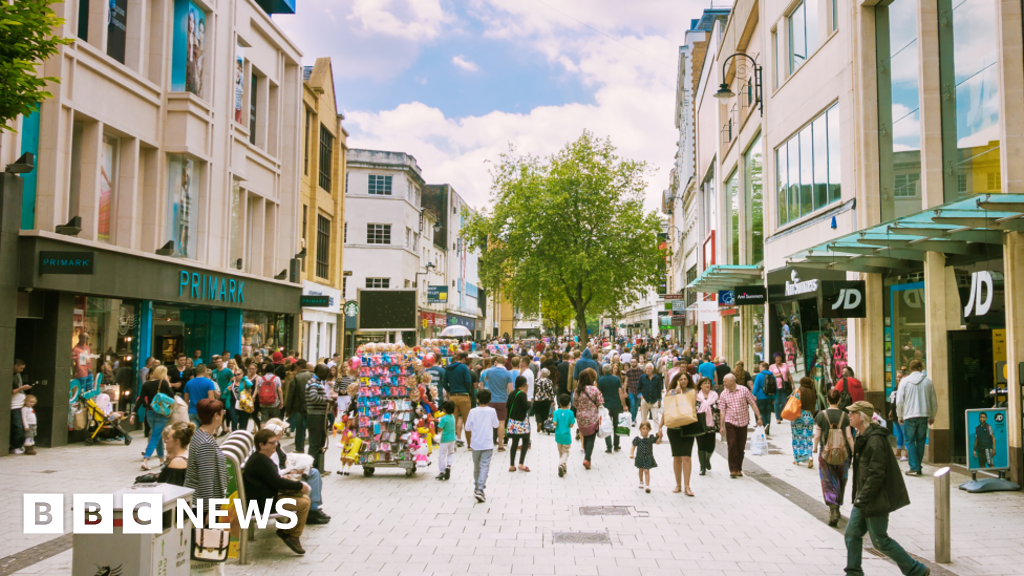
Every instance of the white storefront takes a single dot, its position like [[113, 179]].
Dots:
[[320, 323]]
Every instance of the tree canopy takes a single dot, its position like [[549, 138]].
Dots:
[[27, 37], [570, 226]]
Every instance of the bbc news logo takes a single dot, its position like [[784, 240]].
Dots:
[[142, 514]]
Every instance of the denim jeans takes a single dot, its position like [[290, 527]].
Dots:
[[481, 466], [634, 405], [897, 430], [17, 430], [766, 407], [157, 423], [877, 527], [316, 486], [194, 418], [780, 403], [915, 432], [298, 423]]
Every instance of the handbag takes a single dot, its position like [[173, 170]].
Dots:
[[680, 409], [606, 427], [245, 403], [793, 408], [209, 545], [162, 404]]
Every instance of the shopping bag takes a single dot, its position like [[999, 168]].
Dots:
[[607, 427], [179, 413], [680, 409], [759, 442], [624, 424], [793, 409]]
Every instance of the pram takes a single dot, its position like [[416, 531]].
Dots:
[[99, 425]]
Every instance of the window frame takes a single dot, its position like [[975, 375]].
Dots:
[[383, 232], [323, 247], [372, 283], [385, 188], [326, 164]]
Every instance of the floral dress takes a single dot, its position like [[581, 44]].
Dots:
[[588, 403], [645, 452], [803, 435], [544, 390]]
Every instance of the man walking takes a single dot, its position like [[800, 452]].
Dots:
[[458, 382], [633, 374], [916, 406], [499, 384], [611, 389], [765, 396], [732, 403], [295, 404], [878, 490]]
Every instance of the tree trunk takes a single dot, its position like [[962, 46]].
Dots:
[[581, 323]]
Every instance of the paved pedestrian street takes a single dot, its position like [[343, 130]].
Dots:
[[772, 521]]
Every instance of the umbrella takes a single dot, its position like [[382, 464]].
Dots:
[[456, 331]]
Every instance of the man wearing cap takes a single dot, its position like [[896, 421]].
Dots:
[[878, 490]]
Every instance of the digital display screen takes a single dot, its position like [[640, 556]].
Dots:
[[387, 309]]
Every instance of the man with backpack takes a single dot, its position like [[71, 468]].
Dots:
[[268, 390], [784, 381], [766, 388], [850, 388]]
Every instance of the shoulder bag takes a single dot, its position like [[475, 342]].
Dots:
[[793, 408], [209, 545], [680, 409]]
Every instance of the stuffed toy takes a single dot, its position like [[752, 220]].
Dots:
[[350, 445]]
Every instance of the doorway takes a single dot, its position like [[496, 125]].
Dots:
[[971, 377]]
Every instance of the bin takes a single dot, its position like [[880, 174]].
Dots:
[[120, 554]]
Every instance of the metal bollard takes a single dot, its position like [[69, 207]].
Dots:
[[942, 520]]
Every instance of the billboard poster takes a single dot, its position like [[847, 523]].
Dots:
[[182, 219], [108, 185], [239, 81], [987, 439], [189, 54]]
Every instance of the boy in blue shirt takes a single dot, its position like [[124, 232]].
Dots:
[[446, 430], [564, 421]]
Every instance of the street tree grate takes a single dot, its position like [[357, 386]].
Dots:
[[604, 510], [580, 538]]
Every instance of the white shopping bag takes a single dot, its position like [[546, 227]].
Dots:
[[759, 442], [606, 427]]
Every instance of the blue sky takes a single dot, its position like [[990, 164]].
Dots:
[[454, 83]]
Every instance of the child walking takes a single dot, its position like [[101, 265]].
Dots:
[[480, 426], [28, 420], [564, 421], [643, 452], [446, 430]]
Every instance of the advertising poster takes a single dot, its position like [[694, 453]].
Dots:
[[181, 200], [189, 48], [239, 81], [108, 182], [987, 439]]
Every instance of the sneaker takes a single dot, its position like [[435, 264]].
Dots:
[[447, 473], [460, 443], [561, 471], [480, 496], [903, 459], [17, 451], [607, 451], [30, 450], [317, 517], [439, 476]]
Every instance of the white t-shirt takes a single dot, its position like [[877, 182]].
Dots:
[[528, 374], [481, 423]]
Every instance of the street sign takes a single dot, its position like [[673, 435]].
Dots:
[[351, 308], [437, 294], [750, 295]]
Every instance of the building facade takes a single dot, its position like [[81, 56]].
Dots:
[[881, 166], [324, 152], [162, 215]]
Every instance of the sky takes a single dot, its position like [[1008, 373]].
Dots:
[[454, 83]]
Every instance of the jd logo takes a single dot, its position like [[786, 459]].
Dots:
[[912, 298], [979, 302], [848, 298]]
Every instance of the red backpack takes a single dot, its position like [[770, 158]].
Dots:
[[267, 389]]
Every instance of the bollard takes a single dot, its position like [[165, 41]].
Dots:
[[942, 552]]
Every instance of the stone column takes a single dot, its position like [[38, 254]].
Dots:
[[1013, 258], [868, 356], [10, 224], [51, 361], [942, 313]]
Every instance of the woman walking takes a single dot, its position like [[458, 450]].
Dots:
[[682, 438], [897, 428], [157, 383], [543, 395], [743, 377], [518, 408], [242, 388], [707, 400], [207, 471], [588, 404], [803, 427], [827, 424]]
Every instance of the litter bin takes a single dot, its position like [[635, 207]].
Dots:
[[120, 554]]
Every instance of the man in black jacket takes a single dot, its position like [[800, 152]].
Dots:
[[563, 374], [878, 490], [295, 404], [263, 484]]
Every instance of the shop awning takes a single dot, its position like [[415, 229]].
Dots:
[[966, 231], [726, 277]]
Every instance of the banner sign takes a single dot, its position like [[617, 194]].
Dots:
[[437, 294], [315, 301], [750, 295], [670, 296], [842, 299], [987, 447], [66, 262]]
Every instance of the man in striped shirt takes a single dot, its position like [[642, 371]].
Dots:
[[317, 402]]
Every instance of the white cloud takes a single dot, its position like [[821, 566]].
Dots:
[[412, 20], [467, 65]]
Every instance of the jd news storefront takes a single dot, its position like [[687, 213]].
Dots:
[[88, 316]]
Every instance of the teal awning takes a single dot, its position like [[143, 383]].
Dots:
[[726, 277], [966, 231]]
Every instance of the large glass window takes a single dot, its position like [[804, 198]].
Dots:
[[182, 199], [899, 109], [808, 168], [236, 225], [753, 166], [972, 51], [732, 190], [323, 246], [378, 233], [261, 330], [326, 157], [101, 341], [108, 186], [380, 185], [802, 24]]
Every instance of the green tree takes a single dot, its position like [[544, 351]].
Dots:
[[572, 224], [27, 37], [556, 312]]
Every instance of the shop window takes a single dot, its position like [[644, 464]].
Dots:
[[305, 147], [183, 178], [189, 54], [326, 157], [323, 247], [265, 331], [235, 240], [808, 168], [101, 341], [753, 165], [379, 185], [108, 186], [802, 25], [239, 82], [378, 233], [378, 282], [732, 189]]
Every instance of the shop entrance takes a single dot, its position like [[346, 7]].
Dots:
[[971, 377]]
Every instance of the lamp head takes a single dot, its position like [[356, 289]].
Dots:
[[724, 93]]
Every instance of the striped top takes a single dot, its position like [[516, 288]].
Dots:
[[341, 387], [207, 469], [316, 397]]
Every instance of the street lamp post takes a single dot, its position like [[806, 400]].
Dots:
[[724, 93], [430, 266]]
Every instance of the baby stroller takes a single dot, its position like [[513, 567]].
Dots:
[[101, 425]]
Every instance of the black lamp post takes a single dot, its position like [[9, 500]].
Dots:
[[724, 93]]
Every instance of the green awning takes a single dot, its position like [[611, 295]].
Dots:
[[727, 277], [966, 231]]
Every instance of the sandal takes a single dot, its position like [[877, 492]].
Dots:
[[677, 490], [511, 468], [641, 486], [145, 464], [689, 492], [524, 468]]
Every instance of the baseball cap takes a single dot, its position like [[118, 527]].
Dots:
[[865, 408]]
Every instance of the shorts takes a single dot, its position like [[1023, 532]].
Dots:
[[681, 445], [462, 405], [502, 409]]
